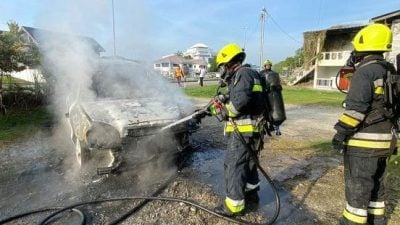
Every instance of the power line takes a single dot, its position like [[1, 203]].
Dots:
[[282, 30]]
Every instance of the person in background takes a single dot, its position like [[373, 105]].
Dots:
[[202, 75], [272, 81], [179, 75]]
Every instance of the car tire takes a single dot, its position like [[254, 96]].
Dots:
[[82, 153]]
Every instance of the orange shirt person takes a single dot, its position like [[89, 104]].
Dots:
[[178, 75]]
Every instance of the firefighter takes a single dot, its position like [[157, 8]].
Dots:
[[275, 99], [364, 130], [244, 104]]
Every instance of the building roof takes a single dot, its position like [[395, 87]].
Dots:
[[342, 28], [388, 17], [172, 58], [199, 45], [180, 60], [38, 36]]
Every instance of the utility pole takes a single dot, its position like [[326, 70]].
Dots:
[[113, 21], [262, 18], [245, 37]]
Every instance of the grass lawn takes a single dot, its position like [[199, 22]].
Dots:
[[291, 95], [22, 123]]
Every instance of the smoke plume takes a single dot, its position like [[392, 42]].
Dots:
[[82, 75]]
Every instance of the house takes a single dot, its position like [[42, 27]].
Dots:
[[393, 20], [326, 51], [167, 65], [199, 51], [332, 48], [37, 37]]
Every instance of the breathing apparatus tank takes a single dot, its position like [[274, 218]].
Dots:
[[276, 106]]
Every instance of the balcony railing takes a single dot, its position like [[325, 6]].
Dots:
[[334, 58]]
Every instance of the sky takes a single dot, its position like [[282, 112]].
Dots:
[[149, 29]]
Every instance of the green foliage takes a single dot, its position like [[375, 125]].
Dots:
[[207, 91], [291, 95], [311, 42], [15, 54], [213, 64], [290, 62], [306, 96], [18, 124]]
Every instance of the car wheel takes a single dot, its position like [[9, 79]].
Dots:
[[82, 153]]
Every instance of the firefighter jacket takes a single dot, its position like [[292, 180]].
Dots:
[[246, 102], [364, 122]]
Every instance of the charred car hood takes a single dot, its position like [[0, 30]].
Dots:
[[128, 113]]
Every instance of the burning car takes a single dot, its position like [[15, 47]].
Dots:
[[126, 103]]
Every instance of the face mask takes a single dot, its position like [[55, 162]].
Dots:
[[355, 57], [223, 71]]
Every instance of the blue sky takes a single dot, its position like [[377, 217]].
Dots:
[[147, 30]]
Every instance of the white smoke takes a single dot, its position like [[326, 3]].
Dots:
[[80, 74]]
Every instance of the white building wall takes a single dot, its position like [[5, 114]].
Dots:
[[326, 78], [29, 75], [396, 42]]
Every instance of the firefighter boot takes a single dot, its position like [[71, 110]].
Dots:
[[376, 220], [251, 196], [223, 210], [344, 221]]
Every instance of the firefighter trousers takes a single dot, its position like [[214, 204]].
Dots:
[[364, 188], [239, 167]]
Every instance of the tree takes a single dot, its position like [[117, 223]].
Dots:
[[290, 62], [179, 53], [213, 64], [15, 54]]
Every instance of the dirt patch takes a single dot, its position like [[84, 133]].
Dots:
[[41, 172]]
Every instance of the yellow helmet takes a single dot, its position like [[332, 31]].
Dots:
[[228, 52], [372, 38], [267, 62]]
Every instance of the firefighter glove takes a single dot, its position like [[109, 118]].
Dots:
[[221, 98], [199, 115], [338, 141]]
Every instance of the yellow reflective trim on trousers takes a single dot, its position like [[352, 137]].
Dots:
[[349, 121], [377, 212], [257, 88], [379, 91], [242, 128], [355, 218], [369, 144], [232, 207]]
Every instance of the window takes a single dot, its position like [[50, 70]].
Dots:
[[175, 65], [340, 55], [324, 82], [158, 65], [334, 55], [165, 64], [327, 56]]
